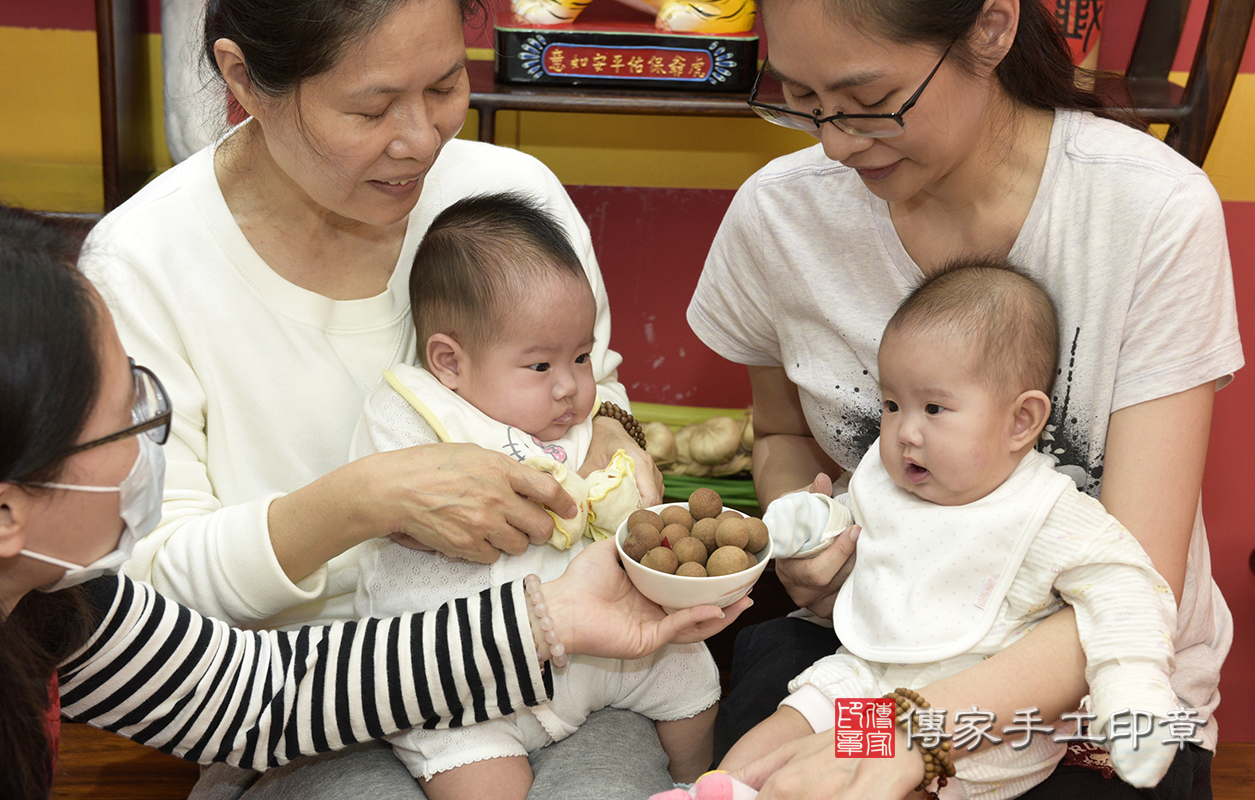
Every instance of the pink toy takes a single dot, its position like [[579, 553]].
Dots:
[[717, 785]]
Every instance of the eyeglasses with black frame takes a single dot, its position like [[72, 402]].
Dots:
[[873, 126], [151, 413]]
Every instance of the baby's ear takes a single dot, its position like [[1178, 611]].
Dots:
[[1031, 412], [444, 359]]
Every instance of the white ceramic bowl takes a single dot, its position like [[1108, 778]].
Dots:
[[678, 591]]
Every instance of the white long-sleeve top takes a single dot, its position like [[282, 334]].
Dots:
[[168, 677], [937, 589], [268, 379]]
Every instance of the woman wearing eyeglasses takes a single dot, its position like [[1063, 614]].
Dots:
[[81, 464], [946, 128]]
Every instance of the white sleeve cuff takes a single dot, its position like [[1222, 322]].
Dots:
[[245, 556], [813, 704]]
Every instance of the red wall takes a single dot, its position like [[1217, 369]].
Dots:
[[651, 244], [1229, 493]]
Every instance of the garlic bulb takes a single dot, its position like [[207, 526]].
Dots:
[[741, 462], [684, 463], [682, 444], [689, 468], [715, 441], [747, 433], [660, 443]]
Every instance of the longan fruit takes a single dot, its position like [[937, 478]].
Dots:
[[642, 538], [705, 503], [725, 561], [758, 534], [730, 514], [704, 532], [689, 549], [661, 559], [677, 515], [735, 532], [674, 533], [691, 569], [645, 515]]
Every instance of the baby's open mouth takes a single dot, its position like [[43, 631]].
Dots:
[[915, 473]]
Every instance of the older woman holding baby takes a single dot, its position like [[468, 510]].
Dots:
[[80, 482], [948, 128], [265, 279]]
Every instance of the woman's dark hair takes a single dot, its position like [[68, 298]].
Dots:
[[287, 42], [49, 364], [1036, 72], [49, 377]]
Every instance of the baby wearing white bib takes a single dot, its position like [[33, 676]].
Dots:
[[935, 589]]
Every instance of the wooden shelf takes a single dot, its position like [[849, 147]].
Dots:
[[488, 97]]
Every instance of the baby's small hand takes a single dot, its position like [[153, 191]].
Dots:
[[802, 524], [821, 485]]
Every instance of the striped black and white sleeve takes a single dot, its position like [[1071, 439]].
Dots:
[[168, 677]]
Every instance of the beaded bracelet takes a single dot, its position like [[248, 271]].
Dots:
[[557, 653], [629, 423], [937, 763]]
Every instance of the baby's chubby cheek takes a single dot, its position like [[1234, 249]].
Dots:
[[978, 458]]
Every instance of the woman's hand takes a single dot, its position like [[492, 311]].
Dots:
[[609, 437], [472, 503], [813, 582], [598, 612], [808, 769], [459, 499]]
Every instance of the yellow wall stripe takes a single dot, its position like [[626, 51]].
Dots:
[[50, 133], [1229, 163], [50, 126], [49, 106]]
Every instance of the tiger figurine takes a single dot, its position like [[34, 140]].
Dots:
[[679, 16]]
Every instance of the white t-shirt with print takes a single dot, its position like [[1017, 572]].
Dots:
[[1126, 235]]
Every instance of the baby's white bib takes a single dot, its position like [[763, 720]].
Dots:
[[928, 579]]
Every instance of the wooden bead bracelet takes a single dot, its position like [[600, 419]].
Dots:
[[629, 423], [937, 763]]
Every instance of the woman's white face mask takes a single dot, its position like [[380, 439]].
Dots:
[[139, 505]]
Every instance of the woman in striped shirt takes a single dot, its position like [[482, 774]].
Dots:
[[80, 481]]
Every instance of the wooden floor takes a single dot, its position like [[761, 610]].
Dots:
[[96, 765], [1233, 771]]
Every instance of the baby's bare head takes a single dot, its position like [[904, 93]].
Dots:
[[1006, 315], [478, 260]]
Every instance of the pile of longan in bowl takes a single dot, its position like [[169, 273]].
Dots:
[[682, 555]]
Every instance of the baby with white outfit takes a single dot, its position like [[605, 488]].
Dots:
[[970, 538], [504, 317]]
